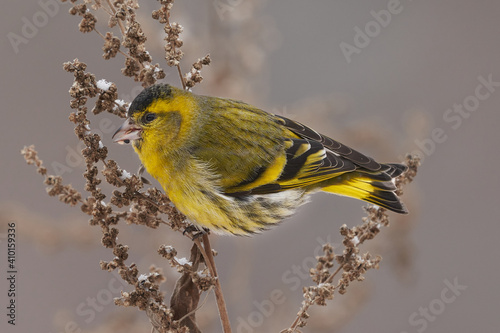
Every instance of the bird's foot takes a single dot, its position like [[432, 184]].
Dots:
[[196, 232]]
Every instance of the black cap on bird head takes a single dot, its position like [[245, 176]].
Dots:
[[148, 95], [129, 131]]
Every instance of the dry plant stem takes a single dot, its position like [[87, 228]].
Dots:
[[178, 65], [120, 24], [306, 306], [163, 15], [293, 327], [221, 303], [351, 264], [206, 251], [180, 76], [199, 306], [146, 207], [330, 279]]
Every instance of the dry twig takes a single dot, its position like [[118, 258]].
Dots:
[[146, 207], [351, 264]]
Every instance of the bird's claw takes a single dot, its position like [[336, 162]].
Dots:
[[197, 233]]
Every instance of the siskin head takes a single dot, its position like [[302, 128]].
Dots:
[[157, 117]]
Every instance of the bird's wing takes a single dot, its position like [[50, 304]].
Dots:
[[314, 161], [334, 146], [312, 158]]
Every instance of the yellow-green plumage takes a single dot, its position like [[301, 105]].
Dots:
[[233, 168]]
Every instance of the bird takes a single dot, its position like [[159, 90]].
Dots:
[[233, 168]]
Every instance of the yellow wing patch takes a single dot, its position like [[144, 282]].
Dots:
[[308, 163], [269, 175]]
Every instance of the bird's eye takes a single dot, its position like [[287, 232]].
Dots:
[[149, 117]]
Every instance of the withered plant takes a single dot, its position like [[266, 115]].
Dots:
[[134, 201]]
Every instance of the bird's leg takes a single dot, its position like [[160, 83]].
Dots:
[[200, 233], [190, 229], [195, 231]]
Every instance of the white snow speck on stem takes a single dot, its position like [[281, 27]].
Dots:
[[125, 175], [120, 102], [183, 261], [103, 84]]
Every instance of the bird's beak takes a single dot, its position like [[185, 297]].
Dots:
[[127, 132]]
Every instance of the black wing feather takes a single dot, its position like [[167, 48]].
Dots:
[[308, 133]]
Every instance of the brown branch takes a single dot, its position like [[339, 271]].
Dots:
[[180, 76], [206, 251], [120, 24]]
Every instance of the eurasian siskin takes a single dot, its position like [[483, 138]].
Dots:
[[233, 168]]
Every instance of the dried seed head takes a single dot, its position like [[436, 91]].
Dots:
[[111, 46], [88, 22]]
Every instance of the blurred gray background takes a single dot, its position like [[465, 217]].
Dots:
[[387, 84]]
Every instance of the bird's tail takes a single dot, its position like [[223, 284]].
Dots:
[[376, 188]]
